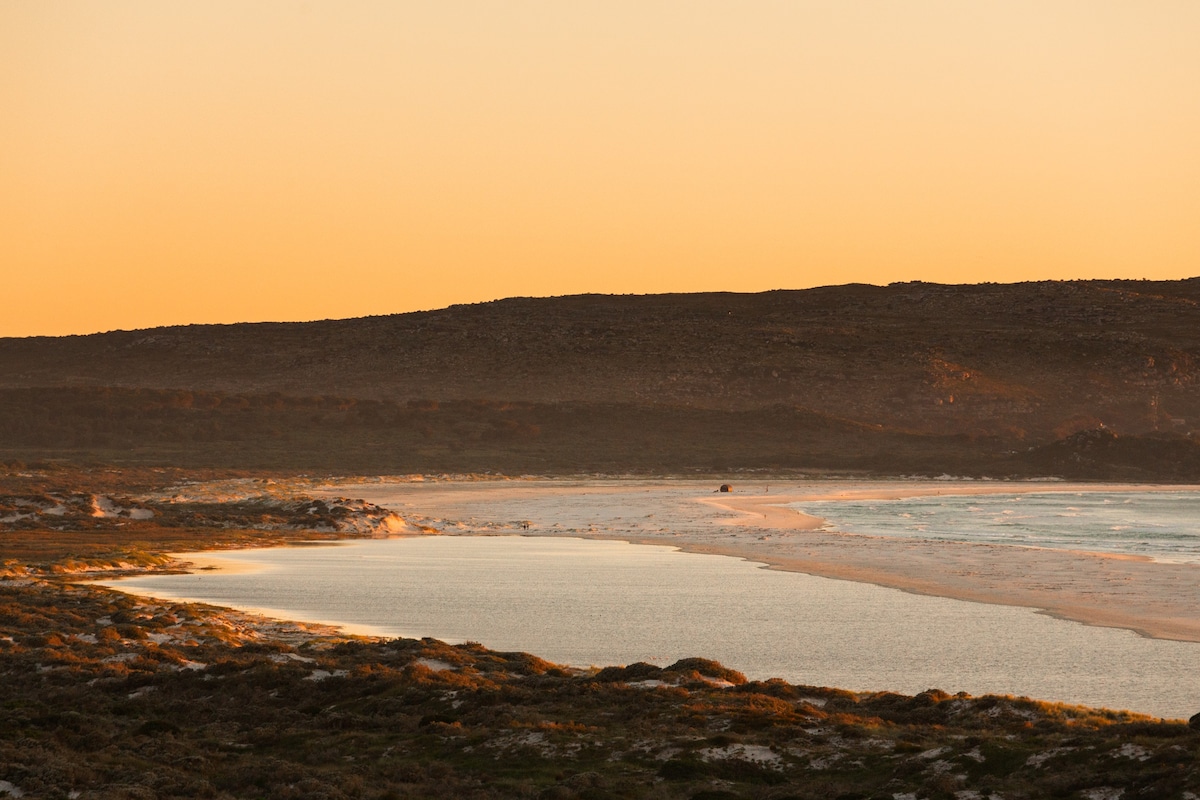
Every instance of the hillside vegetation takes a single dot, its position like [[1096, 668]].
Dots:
[[976, 379]]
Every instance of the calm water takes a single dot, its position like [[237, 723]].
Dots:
[[602, 602], [1162, 525]]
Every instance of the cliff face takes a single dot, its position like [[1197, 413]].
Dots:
[[1023, 363]]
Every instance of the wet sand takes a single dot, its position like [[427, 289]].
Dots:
[[1155, 599]]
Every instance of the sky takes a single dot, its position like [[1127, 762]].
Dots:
[[166, 162]]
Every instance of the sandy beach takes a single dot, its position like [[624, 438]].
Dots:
[[1156, 599], [1152, 598]]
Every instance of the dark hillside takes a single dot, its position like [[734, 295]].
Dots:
[[277, 432], [996, 368]]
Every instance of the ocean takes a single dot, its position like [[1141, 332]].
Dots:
[[1162, 525]]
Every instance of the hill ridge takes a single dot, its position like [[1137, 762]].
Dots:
[[1020, 364]]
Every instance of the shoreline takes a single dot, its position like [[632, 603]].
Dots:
[[1155, 599], [1112, 590], [941, 637], [1174, 627]]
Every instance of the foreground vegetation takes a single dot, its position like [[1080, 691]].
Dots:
[[107, 695]]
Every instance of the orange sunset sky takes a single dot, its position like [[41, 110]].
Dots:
[[168, 162]]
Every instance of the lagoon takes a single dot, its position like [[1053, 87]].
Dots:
[[584, 602]]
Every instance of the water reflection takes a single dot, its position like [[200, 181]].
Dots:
[[603, 602]]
